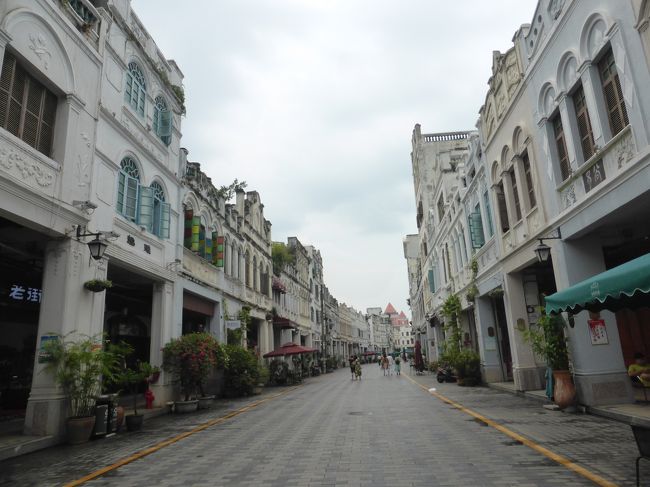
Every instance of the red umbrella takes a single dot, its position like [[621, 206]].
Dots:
[[289, 349]]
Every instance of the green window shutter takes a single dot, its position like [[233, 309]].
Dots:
[[165, 127], [145, 213], [488, 214], [196, 227], [432, 282], [131, 199], [201, 240], [187, 236], [165, 217], [476, 229]]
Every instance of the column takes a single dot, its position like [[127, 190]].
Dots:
[[66, 309], [162, 331]]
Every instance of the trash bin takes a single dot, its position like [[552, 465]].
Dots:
[[101, 415]]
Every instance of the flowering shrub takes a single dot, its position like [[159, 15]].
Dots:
[[191, 358]]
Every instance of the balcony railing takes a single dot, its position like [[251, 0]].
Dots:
[[85, 17]]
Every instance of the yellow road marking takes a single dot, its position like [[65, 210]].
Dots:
[[169, 441], [597, 479]]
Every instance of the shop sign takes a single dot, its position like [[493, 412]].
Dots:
[[598, 332], [233, 324], [43, 355], [18, 292]]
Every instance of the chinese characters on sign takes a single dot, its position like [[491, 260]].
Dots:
[[598, 332], [22, 293]]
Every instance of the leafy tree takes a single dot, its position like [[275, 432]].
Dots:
[[281, 255]]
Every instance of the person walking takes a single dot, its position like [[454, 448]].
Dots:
[[352, 360], [391, 363], [357, 368], [398, 366], [384, 363]]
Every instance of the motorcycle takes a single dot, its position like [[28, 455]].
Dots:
[[445, 374]]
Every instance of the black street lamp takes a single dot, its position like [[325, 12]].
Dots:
[[543, 251], [96, 246]]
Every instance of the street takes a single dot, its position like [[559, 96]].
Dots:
[[331, 430]]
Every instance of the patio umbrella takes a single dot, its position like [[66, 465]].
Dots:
[[289, 349]]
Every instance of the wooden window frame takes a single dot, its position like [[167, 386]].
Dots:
[[560, 145], [515, 193], [27, 107], [612, 93], [583, 121], [528, 177], [502, 207]]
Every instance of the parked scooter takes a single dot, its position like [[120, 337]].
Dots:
[[445, 374]]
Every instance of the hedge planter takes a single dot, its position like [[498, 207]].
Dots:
[[183, 407], [205, 402], [78, 430], [564, 392]]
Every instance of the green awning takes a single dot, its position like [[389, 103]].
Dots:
[[625, 286]]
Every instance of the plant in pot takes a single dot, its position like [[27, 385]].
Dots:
[[132, 379], [547, 340], [78, 367], [242, 371], [190, 359], [98, 285]]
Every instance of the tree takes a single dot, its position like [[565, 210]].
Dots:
[[281, 255]]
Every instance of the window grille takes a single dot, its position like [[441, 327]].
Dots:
[[584, 124], [136, 88], [616, 111], [27, 108]]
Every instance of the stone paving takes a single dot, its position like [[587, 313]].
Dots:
[[332, 431]]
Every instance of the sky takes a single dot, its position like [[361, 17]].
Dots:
[[313, 104]]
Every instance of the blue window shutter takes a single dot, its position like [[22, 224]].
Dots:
[[131, 198], [121, 181], [165, 212], [432, 283], [165, 126], [145, 215]]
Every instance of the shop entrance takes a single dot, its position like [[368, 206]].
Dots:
[[127, 316], [21, 276], [197, 314], [502, 337]]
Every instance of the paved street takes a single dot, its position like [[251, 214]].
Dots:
[[381, 431]]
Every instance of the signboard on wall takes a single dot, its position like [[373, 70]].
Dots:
[[598, 332], [233, 324], [43, 355]]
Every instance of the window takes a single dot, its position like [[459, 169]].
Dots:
[[27, 108], [136, 88], [488, 213], [161, 212], [162, 120], [441, 207], [503, 209], [616, 111], [584, 124], [529, 181], [128, 188], [515, 192], [560, 144]]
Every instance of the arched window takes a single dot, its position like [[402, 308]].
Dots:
[[128, 188], [247, 269], [136, 88], [161, 211], [162, 120]]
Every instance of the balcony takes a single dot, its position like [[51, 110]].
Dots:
[[85, 17]]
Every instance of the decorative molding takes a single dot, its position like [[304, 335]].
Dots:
[[38, 44], [82, 168], [13, 161]]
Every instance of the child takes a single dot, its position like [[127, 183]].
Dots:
[[398, 366]]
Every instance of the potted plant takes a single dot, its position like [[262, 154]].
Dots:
[[78, 367], [98, 285], [548, 341], [132, 379], [190, 359], [242, 371]]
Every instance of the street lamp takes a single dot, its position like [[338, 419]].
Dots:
[[96, 246], [543, 251]]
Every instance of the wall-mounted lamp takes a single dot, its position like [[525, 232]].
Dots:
[[96, 246], [543, 251]]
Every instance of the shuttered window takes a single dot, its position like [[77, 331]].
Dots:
[[616, 111], [475, 224], [128, 189], [515, 193], [529, 180], [27, 108], [560, 143], [162, 120], [488, 213], [136, 88], [503, 208], [584, 124], [161, 211]]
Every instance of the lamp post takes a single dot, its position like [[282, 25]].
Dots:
[[96, 246]]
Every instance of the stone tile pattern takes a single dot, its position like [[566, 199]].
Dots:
[[332, 431]]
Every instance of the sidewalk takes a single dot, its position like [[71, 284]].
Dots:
[[604, 447]]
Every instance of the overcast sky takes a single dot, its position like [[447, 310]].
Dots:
[[313, 102]]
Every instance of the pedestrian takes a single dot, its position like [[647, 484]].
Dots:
[[398, 366], [384, 363], [391, 363], [357, 369], [351, 360]]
